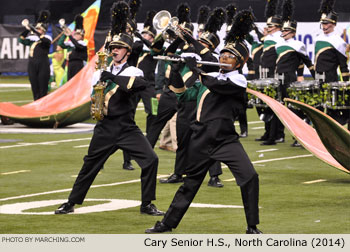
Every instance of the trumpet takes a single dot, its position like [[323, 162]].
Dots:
[[208, 63], [28, 26], [163, 21], [62, 23]]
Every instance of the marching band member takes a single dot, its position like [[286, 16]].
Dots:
[[167, 106], [330, 53], [38, 65], [76, 47], [203, 49], [274, 130], [117, 130], [290, 53], [214, 137]]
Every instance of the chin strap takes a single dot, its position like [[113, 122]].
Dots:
[[119, 61], [286, 34]]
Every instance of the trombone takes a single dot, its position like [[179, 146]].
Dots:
[[208, 63]]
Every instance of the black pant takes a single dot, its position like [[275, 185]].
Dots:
[[166, 110], [146, 95], [111, 134], [39, 76], [74, 66], [183, 134], [204, 153]]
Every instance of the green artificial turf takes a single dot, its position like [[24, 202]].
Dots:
[[287, 205]]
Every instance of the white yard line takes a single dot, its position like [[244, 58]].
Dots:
[[81, 146], [279, 159], [274, 159], [14, 90], [136, 180], [257, 128], [6, 85], [14, 172], [44, 143], [69, 189], [267, 150], [314, 181]]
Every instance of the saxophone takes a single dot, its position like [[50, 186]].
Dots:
[[98, 97]]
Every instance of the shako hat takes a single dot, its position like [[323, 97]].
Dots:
[[328, 15], [270, 13], [148, 24], [287, 16], [43, 20], [234, 40], [184, 15], [230, 13], [134, 6], [119, 16], [216, 19], [79, 26], [203, 15]]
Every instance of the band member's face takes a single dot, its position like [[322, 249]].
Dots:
[[288, 34], [148, 37], [41, 30], [328, 27], [272, 29], [118, 53], [228, 58]]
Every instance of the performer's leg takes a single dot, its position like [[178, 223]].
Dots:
[[33, 79], [136, 144], [195, 175], [101, 147], [43, 78], [235, 157], [166, 110]]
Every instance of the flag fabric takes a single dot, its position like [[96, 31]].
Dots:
[[304, 133]]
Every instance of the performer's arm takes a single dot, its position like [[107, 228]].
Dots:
[[78, 46], [61, 42], [343, 66], [224, 87], [126, 83], [22, 38]]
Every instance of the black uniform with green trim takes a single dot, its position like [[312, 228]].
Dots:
[[77, 54], [330, 53], [118, 130], [214, 139], [38, 65]]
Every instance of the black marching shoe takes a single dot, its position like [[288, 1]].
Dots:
[[262, 138], [253, 230], [159, 227], [215, 182], [279, 140], [128, 166], [151, 209], [65, 208], [295, 144], [268, 142], [174, 178], [243, 134]]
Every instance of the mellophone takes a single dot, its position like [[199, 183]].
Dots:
[[333, 95]]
